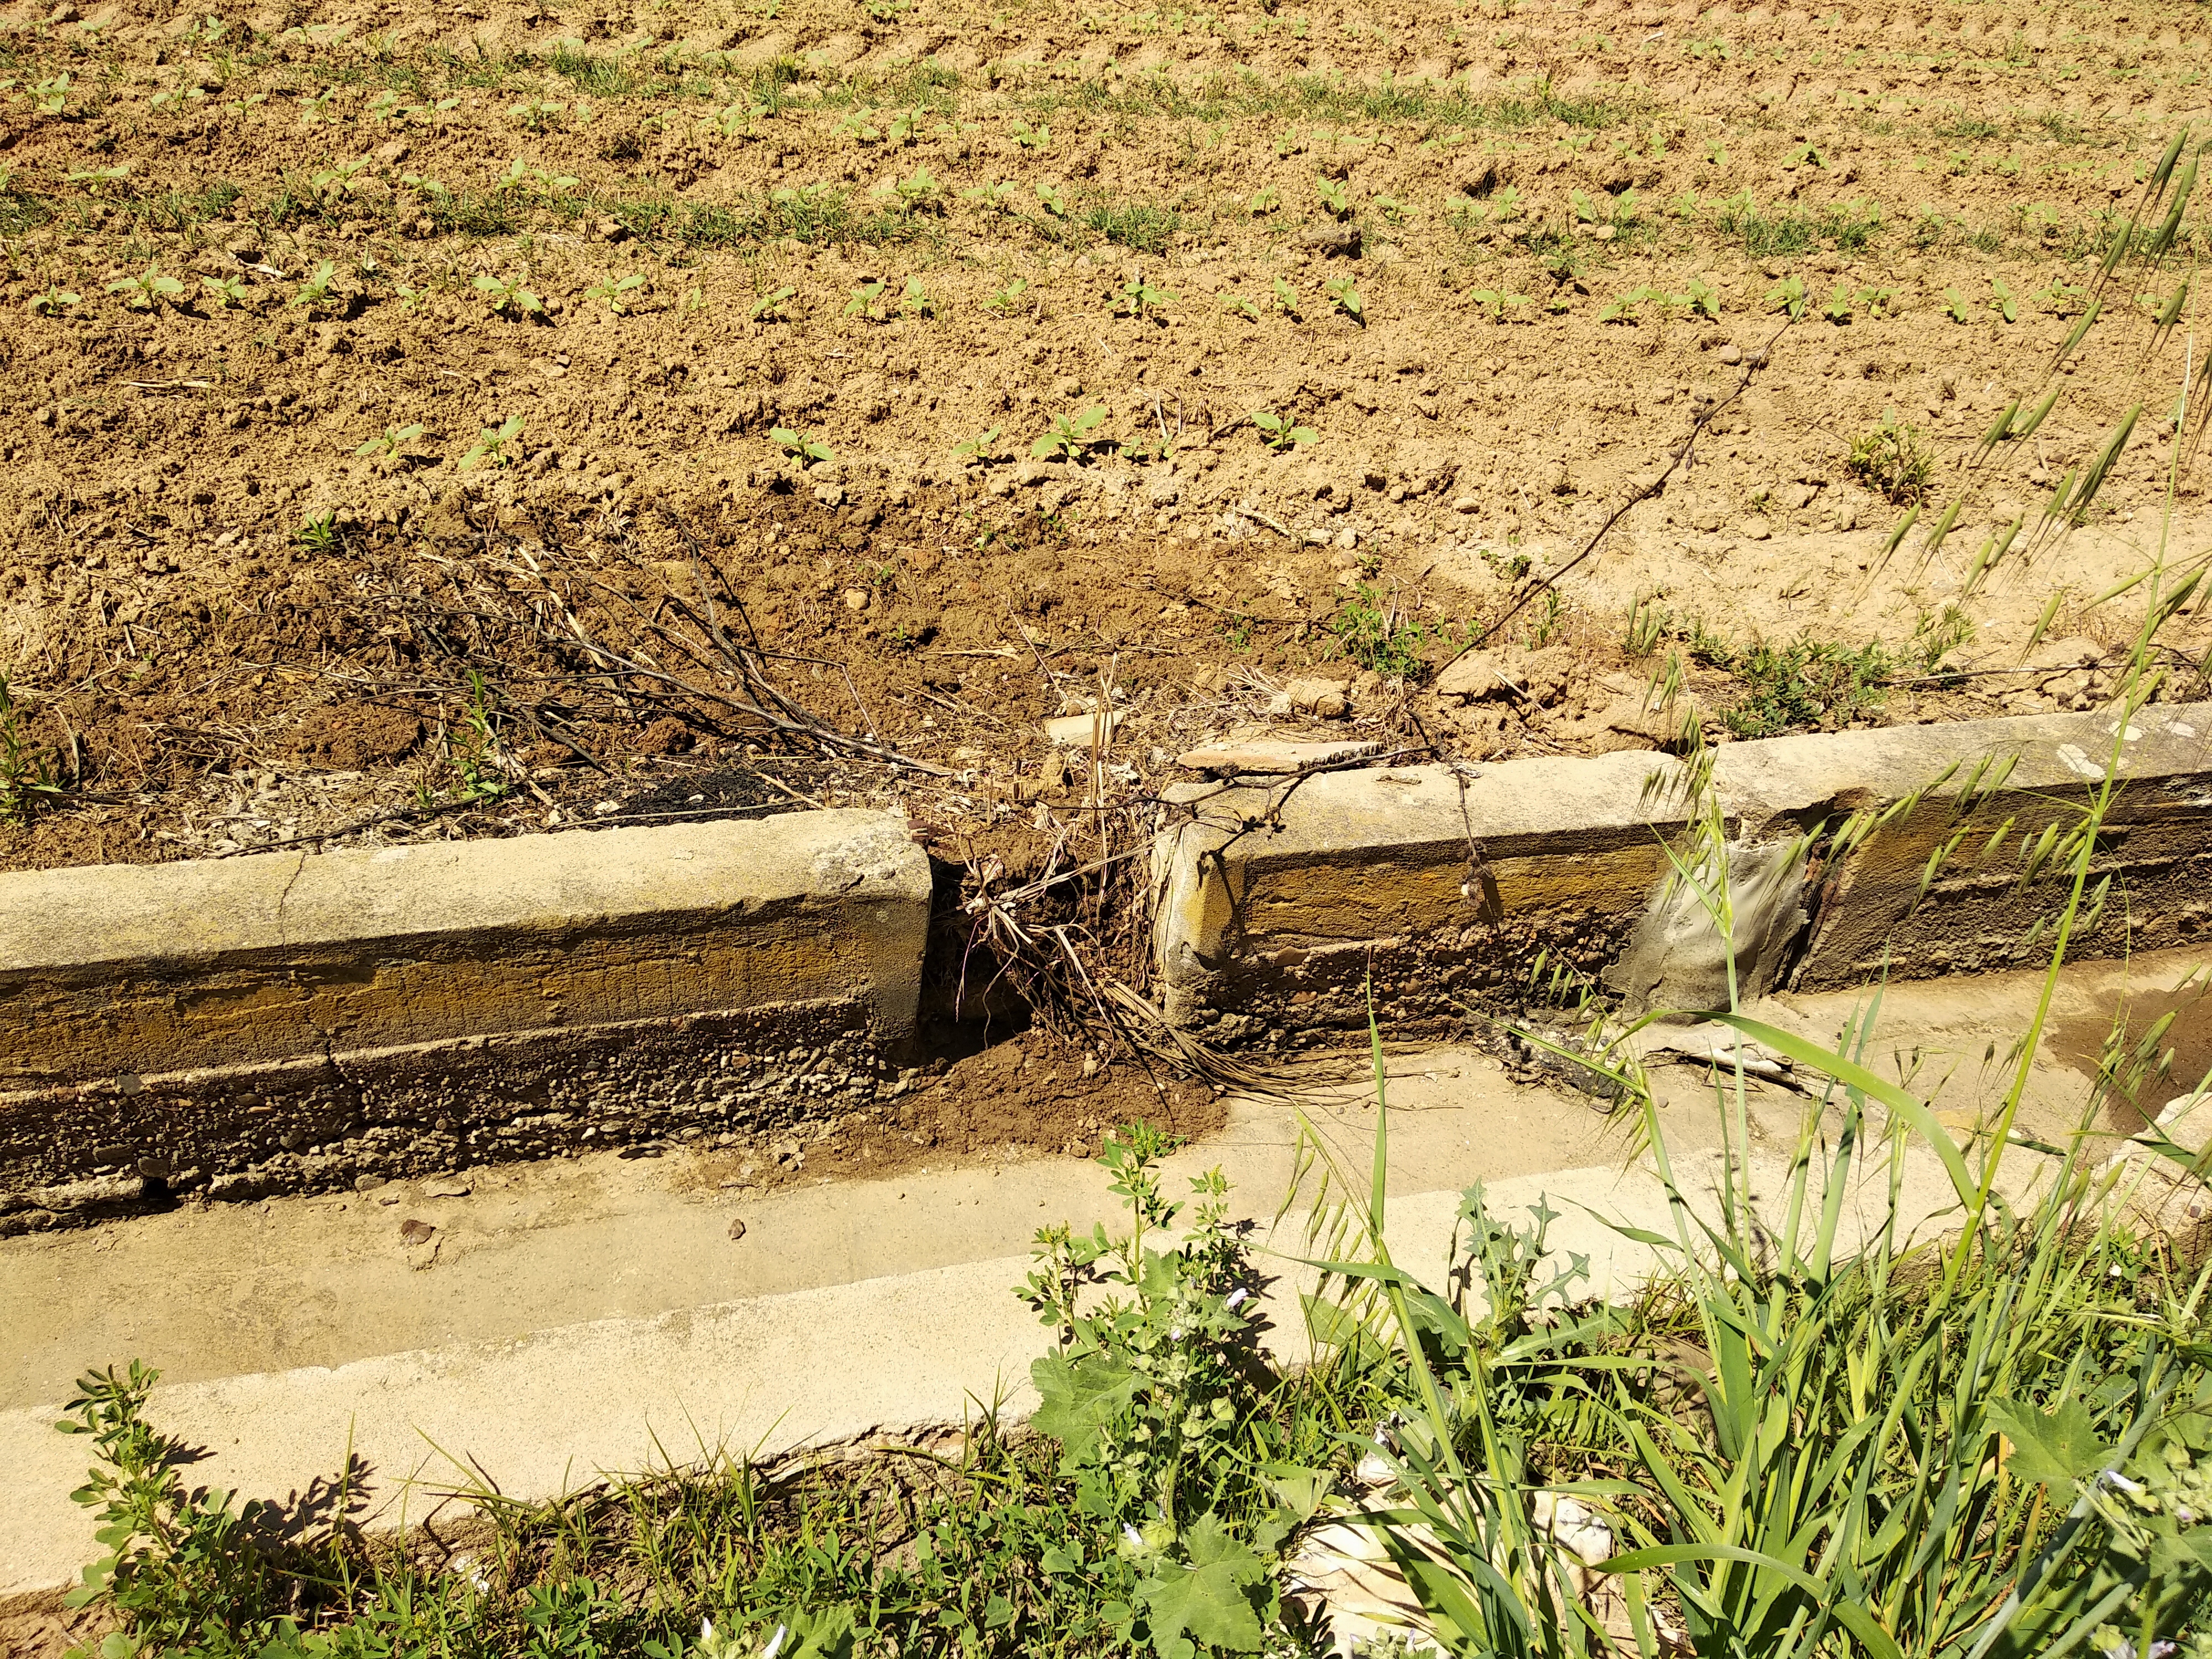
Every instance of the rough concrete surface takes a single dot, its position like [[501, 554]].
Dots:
[[595, 1315], [1272, 899], [298, 1020], [1276, 901]]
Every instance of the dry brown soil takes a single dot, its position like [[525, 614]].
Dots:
[[1165, 215]]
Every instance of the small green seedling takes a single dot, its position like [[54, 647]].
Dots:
[[1286, 298], [226, 292], [319, 536], [1804, 155], [977, 449], [990, 195], [1279, 433], [1623, 309], [536, 114], [1788, 295], [916, 300], [2000, 301], [801, 446], [1839, 308], [147, 291], [1496, 301], [490, 446], [1035, 137], [1067, 434], [867, 300], [1139, 298], [769, 308], [1053, 200], [388, 443], [316, 290], [1345, 298], [507, 293], [1006, 298], [1878, 303], [1333, 196], [918, 190], [1264, 200], [27, 770], [1239, 306], [1701, 300], [54, 299], [50, 96], [1955, 303], [616, 292]]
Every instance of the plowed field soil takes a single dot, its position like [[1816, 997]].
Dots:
[[440, 420]]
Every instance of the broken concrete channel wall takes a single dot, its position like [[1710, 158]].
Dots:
[[1276, 896], [297, 1022], [294, 1022]]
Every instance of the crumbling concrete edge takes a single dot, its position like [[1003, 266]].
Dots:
[[1279, 900], [330, 1020]]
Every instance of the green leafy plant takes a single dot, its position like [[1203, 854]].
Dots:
[[538, 113], [770, 308], [1284, 297], [916, 301], [1892, 459], [801, 446], [472, 746], [316, 291], [1333, 196], [1878, 303], [1037, 137], [148, 290], [391, 444], [1139, 298], [1052, 199], [226, 292], [1278, 431], [1345, 298], [1498, 303], [981, 448], [53, 300], [1004, 300], [1263, 201], [868, 301], [1370, 629], [319, 536], [27, 770], [2000, 301], [1788, 295], [616, 293], [490, 446], [508, 296], [1069, 434], [1956, 303], [1839, 308]]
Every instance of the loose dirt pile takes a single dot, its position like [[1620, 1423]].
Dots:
[[391, 387]]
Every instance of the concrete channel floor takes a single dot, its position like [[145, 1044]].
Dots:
[[595, 1314]]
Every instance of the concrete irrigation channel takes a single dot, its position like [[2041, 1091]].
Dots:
[[339, 1141]]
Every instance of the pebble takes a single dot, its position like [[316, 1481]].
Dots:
[[412, 1231], [1731, 353], [737, 1228], [368, 1183]]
